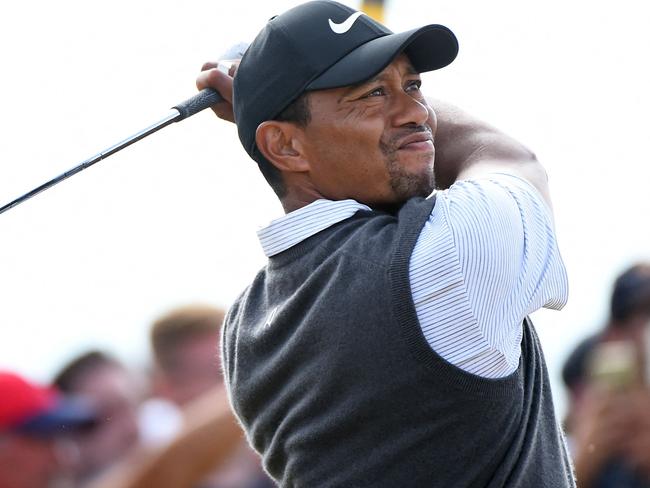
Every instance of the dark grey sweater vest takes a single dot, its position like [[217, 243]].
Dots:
[[335, 385]]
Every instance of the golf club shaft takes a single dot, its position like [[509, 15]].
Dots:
[[204, 99]]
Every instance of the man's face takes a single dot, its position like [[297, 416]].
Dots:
[[115, 394], [372, 142], [193, 370]]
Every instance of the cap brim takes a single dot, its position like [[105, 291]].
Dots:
[[66, 415], [428, 48]]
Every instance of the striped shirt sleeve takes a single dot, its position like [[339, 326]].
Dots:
[[485, 259]]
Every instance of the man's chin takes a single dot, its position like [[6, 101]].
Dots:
[[416, 161], [411, 174], [406, 186]]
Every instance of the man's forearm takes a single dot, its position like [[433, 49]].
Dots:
[[466, 145]]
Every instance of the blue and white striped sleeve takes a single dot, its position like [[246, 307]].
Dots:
[[485, 259]]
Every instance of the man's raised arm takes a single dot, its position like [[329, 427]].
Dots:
[[467, 147]]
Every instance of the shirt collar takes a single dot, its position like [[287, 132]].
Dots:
[[294, 227]]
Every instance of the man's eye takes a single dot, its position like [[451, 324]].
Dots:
[[414, 85], [377, 92]]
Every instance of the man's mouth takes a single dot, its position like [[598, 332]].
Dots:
[[419, 141]]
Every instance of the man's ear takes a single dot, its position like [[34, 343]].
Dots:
[[281, 144]]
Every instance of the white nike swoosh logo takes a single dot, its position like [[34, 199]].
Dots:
[[345, 26], [271, 316]]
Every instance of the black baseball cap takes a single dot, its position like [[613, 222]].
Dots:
[[324, 44]]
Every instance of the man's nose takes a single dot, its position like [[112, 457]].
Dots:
[[408, 110]]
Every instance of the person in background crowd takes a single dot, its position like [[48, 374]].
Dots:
[[185, 347], [607, 378], [36, 425], [207, 438], [115, 393]]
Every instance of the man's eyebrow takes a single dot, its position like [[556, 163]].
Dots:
[[356, 86], [410, 70]]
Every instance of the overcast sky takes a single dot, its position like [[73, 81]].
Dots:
[[172, 219]]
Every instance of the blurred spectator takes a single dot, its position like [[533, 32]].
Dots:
[[115, 394], [35, 428], [631, 296], [185, 345], [608, 421], [206, 440]]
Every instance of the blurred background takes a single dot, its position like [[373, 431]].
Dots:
[[171, 220]]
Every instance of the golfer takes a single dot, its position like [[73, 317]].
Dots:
[[386, 343]]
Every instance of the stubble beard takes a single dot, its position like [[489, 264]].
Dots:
[[404, 184]]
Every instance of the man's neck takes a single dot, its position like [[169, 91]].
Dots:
[[298, 197], [291, 204]]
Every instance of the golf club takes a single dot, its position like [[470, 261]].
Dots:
[[204, 99]]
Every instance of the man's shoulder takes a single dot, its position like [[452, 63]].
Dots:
[[492, 190], [236, 307]]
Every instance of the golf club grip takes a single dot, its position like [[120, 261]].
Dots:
[[202, 100]]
